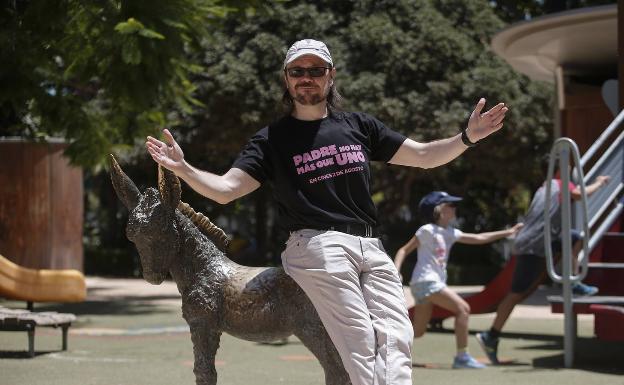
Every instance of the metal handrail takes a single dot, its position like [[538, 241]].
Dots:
[[566, 144], [606, 224], [603, 158], [610, 162], [611, 198], [602, 138], [561, 149]]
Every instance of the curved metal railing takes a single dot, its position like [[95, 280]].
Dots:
[[561, 150], [604, 206]]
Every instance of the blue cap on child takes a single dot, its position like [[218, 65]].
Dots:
[[431, 200]]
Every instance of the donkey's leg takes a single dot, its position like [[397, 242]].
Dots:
[[205, 344], [313, 335]]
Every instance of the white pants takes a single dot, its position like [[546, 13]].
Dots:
[[358, 295]]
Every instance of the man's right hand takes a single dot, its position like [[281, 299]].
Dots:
[[220, 188], [167, 153]]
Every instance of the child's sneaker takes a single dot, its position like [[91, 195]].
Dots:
[[489, 346], [583, 290], [465, 361]]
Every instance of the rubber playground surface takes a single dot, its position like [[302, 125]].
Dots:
[[131, 333]]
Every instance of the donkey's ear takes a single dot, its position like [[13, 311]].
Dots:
[[169, 187], [125, 188]]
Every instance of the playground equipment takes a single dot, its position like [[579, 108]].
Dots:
[[40, 285], [603, 237]]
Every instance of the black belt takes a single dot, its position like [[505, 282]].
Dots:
[[357, 229]]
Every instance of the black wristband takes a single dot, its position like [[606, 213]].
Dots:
[[466, 140]]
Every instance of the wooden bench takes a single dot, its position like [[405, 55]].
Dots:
[[24, 320]]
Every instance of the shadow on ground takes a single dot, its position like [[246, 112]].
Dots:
[[591, 354], [19, 355], [98, 304], [126, 305]]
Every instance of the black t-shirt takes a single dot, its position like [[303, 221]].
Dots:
[[319, 169]]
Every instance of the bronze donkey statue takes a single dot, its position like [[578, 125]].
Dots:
[[218, 295]]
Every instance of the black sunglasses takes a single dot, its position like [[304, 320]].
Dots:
[[313, 72]]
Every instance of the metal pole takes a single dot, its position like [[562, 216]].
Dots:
[[563, 148], [566, 258]]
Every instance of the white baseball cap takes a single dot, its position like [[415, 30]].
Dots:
[[308, 47]]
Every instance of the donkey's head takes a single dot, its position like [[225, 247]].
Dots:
[[152, 224]]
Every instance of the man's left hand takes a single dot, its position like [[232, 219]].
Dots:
[[480, 125]]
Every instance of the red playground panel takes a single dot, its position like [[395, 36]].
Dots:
[[486, 300], [608, 321]]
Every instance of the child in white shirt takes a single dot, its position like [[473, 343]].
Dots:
[[428, 283]]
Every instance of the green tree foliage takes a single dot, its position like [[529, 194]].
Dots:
[[99, 73], [102, 75], [420, 66]]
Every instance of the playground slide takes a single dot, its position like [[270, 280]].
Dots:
[[485, 301], [20, 283]]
